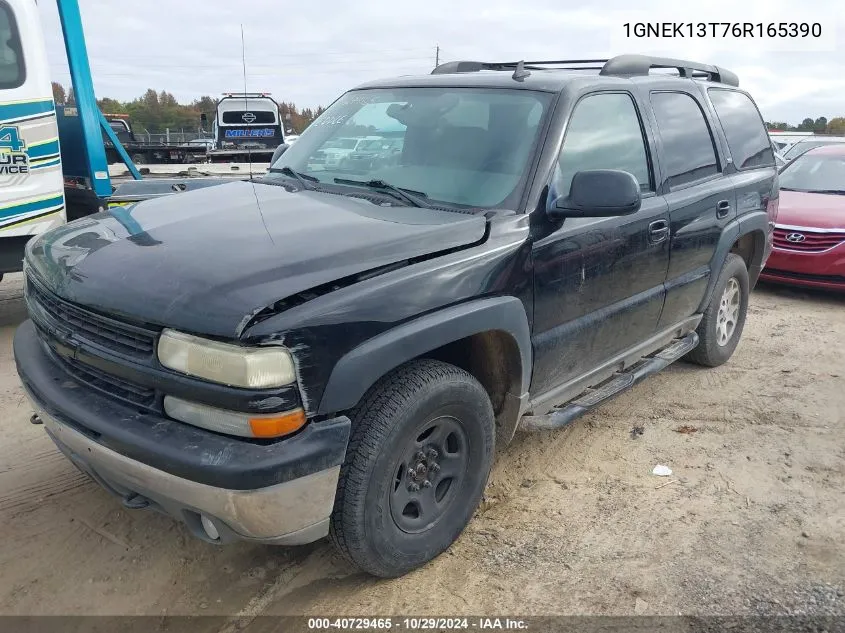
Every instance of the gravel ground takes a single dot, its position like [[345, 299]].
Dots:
[[752, 521]]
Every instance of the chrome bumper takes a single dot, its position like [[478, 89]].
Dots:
[[291, 513]]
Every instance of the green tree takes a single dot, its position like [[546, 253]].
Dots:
[[110, 106], [806, 125], [836, 125], [59, 94], [820, 126], [783, 126]]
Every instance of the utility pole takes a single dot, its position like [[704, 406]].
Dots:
[[437, 56]]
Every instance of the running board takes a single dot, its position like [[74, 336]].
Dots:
[[622, 381]]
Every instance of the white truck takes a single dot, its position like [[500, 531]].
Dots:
[[246, 128], [43, 185], [31, 183]]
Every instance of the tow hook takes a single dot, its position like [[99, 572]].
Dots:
[[134, 501], [34, 419]]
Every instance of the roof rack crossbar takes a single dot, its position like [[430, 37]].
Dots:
[[637, 65], [467, 66], [619, 66]]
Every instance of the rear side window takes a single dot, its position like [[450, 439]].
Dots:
[[744, 129], [604, 132], [12, 71], [688, 151]]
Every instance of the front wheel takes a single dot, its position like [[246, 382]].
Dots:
[[721, 327], [421, 450]]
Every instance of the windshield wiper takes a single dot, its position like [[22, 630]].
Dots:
[[838, 192], [303, 179], [413, 198]]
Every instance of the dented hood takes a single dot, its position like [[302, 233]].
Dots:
[[205, 261]]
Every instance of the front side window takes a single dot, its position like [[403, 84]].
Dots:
[[604, 132], [688, 151], [744, 129], [815, 173], [12, 71], [458, 146]]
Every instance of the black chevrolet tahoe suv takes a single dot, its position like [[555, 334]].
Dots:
[[337, 351]]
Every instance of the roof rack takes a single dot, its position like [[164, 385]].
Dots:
[[619, 66], [472, 67]]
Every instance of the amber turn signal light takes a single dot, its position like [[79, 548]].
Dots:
[[274, 426]]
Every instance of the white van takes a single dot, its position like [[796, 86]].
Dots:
[[31, 182]]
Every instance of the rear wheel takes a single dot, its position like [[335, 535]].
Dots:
[[418, 460], [721, 327]]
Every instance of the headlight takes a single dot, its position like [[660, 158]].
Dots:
[[233, 365], [232, 422]]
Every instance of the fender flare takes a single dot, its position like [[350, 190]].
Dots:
[[756, 222], [362, 366]]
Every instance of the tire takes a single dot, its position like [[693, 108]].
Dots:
[[713, 349], [139, 159], [380, 523]]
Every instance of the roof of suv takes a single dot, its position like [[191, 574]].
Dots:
[[555, 75]]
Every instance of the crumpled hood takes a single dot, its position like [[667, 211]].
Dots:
[[205, 261]]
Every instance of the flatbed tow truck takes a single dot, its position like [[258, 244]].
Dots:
[[53, 161], [247, 128], [144, 153]]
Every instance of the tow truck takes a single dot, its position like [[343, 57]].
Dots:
[[143, 153], [247, 128], [53, 161]]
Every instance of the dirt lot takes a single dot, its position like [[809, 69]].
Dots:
[[752, 521]]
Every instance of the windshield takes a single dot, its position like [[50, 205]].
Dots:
[[815, 172], [805, 146], [457, 146]]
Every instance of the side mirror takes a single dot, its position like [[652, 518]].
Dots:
[[281, 149], [598, 193]]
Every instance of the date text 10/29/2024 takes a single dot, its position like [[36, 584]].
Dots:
[[417, 624]]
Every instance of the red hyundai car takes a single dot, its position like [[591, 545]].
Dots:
[[809, 241]]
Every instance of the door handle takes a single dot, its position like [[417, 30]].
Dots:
[[658, 231], [723, 208]]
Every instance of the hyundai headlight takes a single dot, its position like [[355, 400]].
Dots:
[[224, 363]]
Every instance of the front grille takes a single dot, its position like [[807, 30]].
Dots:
[[108, 384], [94, 328], [812, 242]]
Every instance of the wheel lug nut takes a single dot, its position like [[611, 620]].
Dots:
[[432, 453], [414, 487], [411, 472], [419, 456], [434, 468], [426, 484]]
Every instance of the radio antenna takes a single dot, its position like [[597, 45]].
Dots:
[[246, 102]]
